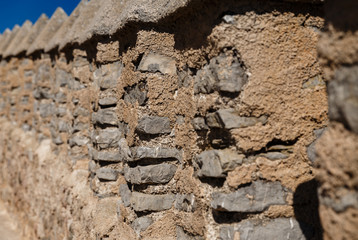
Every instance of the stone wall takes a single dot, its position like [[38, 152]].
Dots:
[[338, 147], [197, 120]]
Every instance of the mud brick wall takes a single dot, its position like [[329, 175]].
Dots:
[[183, 120]]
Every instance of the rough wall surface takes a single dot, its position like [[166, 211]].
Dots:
[[337, 149], [183, 120]]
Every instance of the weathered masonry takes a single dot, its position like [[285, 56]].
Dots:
[[191, 119]]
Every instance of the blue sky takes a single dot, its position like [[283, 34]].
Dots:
[[17, 11]]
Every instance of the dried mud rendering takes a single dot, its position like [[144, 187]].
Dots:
[[182, 120]]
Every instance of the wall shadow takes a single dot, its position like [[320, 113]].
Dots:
[[305, 203]]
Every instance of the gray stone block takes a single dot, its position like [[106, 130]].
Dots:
[[106, 138], [63, 126], [254, 198], [154, 62], [62, 77], [108, 101], [199, 124], [61, 111], [153, 174], [275, 155], [213, 121], [57, 140], [42, 93], [105, 116], [230, 75], [106, 156], [43, 74], [124, 150], [230, 119], [110, 75], [79, 126], [80, 111], [60, 97], [278, 229], [138, 93], [78, 141], [153, 125], [343, 97], [107, 174], [141, 202], [47, 109], [75, 85], [215, 163], [223, 73], [125, 194], [311, 149], [141, 224], [185, 202], [140, 153]]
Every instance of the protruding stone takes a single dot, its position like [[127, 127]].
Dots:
[[136, 93], [125, 194], [107, 174], [124, 150], [42, 93], [154, 62], [156, 153], [278, 229], [49, 31], [108, 101], [199, 124], [230, 119], [106, 138], [314, 83], [254, 198], [105, 116], [141, 224], [80, 111], [32, 35], [343, 97], [78, 141], [153, 125], [61, 97], [185, 202], [106, 156], [152, 174], [216, 163], [62, 77], [311, 149], [274, 155], [107, 76], [47, 109], [229, 73], [141, 202], [223, 73]]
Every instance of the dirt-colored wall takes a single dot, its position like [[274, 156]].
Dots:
[[338, 147], [201, 125]]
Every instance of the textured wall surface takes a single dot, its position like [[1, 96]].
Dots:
[[337, 149], [197, 120]]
